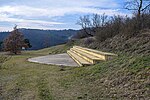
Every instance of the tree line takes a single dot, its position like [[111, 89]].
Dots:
[[102, 26]]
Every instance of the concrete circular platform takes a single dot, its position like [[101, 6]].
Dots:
[[58, 59]]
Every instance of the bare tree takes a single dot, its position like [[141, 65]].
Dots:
[[90, 25], [85, 23], [104, 19], [98, 21], [14, 42], [138, 6]]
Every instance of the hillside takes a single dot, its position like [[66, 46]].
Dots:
[[101, 53], [43, 38], [126, 77]]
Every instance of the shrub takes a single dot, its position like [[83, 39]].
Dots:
[[127, 26]]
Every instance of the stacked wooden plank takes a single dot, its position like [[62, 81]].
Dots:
[[86, 56]]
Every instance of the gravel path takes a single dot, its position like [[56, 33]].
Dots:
[[58, 59]]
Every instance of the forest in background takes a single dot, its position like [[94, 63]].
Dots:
[[43, 38]]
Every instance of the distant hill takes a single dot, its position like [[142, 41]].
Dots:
[[43, 38]]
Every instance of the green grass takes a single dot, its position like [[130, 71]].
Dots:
[[43, 89], [53, 50], [124, 77]]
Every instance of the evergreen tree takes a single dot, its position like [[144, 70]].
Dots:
[[1, 45], [27, 42]]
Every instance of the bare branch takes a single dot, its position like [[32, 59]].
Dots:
[[145, 7], [85, 23], [130, 9], [137, 5]]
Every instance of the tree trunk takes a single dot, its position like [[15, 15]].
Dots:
[[140, 8]]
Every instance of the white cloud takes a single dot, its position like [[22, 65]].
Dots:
[[74, 3], [4, 28], [20, 11], [23, 23], [17, 20], [52, 12], [23, 11]]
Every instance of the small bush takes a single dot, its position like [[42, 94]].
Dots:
[[88, 40], [110, 29]]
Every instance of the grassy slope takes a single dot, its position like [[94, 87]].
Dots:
[[125, 77]]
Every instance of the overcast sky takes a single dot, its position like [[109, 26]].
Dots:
[[53, 14]]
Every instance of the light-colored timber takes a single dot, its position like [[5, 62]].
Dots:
[[90, 58], [103, 55], [85, 56], [96, 51], [78, 59]]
